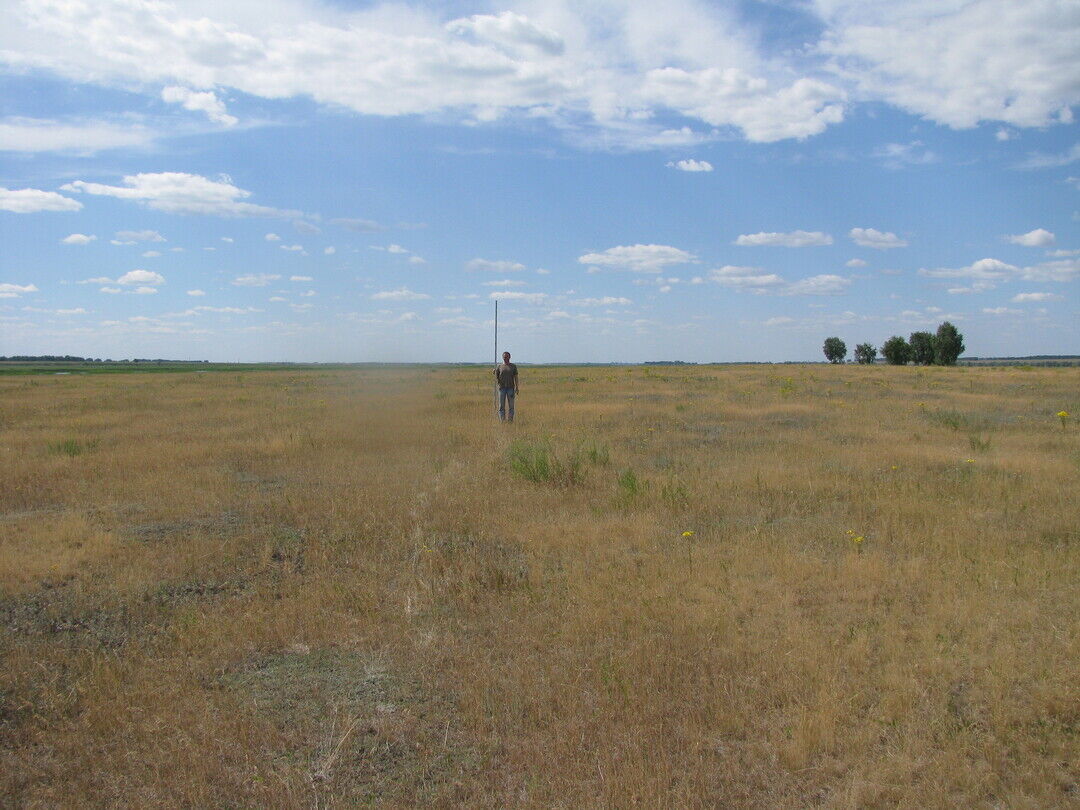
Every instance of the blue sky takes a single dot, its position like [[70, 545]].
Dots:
[[314, 181]]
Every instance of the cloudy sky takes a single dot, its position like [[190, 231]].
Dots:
[[346, 181]]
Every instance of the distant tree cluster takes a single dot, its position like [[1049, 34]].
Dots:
[[942, 348]]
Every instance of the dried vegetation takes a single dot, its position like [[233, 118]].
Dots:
[[717, 587]]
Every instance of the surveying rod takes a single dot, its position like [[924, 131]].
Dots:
[[496, 353]]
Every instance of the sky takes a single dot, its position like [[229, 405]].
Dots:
[[291, 180]]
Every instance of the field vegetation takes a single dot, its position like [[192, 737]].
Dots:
[[694, 586]]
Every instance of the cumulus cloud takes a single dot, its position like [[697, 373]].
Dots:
[[899, 155], [989, 271], [301, 278], [638, 258], [873, 238], [855, 263], [150, 254], [826, 284], [753, 279], [254, 279], [8, 290], [604, 301], [1040, 237], [500, 266], [983, 269], [506, 282], [132, 237], [33, 200], [143, 291], [611, 69], [690, 165], [793, 239], [196, 293], [199, 101], [142, 277], [400, 294], [78, 239], [1001, 311], [958, 63], [523, 297], [329, 251], [1034, 297], [182, 193], [292, 248]]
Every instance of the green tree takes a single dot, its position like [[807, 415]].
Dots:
[[922, 348], [865, 353], [896, 351], [835, 350], [948, 345]]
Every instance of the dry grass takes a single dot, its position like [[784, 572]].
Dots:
[[331, 588]]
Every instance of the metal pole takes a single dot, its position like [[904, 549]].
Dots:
[[496, 354]]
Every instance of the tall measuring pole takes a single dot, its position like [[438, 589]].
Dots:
[[496, 352]]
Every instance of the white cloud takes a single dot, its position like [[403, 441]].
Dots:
[[899, 155], [131, 237], [1034, 297], [301, 278], [150, 254], [1062, 253], [793, 239], [196, 101], [494, 266], [227, 239], [272, 237], [873, 238], [141, 277], [818, 285], [306, 227], [196, 292], [1039, 160], [1040, 237], [78, 136], [506, 282], [524, 297], [1062, 270], [400, 294], [292, 248], [277, 299], [395, 249], [254, 279], [984, 269], [145, 291], [182, 193], [111, 290], [1001, 311], [748, 278], [691, 165], [33, 200], [329, 251], [855, 263], [958, 63], [75, 311], [78, 239], [779, 320], [605, 301], [638, 258], [308, 294], [417, 260], [8, 290]]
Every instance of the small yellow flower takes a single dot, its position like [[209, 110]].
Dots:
[[857, 540], [851, 532], [688, 533], [894, 467], [969, 461], [1063, 414]]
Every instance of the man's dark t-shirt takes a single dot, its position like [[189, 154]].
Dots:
[[506, 374]]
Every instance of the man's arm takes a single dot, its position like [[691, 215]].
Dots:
[[517, 386]]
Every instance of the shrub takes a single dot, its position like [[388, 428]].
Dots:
[[537, 462]]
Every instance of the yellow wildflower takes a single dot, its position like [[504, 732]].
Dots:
[[688, 533]]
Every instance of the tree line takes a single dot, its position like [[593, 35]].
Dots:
[[942, 348]]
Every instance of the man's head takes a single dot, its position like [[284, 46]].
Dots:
[[506, 357]]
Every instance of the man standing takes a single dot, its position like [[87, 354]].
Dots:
[[506, 377]]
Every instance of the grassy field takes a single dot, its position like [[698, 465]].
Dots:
[[788, 586]]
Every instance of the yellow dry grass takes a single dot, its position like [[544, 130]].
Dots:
[[325, 589]]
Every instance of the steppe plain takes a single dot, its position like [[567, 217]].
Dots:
[[692, 586]]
